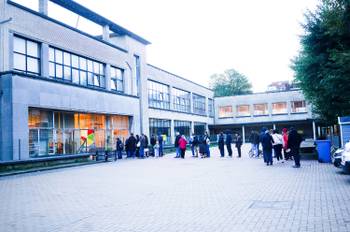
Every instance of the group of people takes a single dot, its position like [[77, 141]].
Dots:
[[288, 142], [139, 146], [199, 145], [228, 140]]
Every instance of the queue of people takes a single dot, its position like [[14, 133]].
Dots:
[[284, 146]]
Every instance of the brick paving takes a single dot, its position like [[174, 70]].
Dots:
[[167, 194]]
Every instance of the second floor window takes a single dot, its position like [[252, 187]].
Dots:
[[117, 79], [211, 107], [181, 100], [225, 111], [260, 109], [158, 95], [26, 56], [279, 108], [298, 107], [198, 104], [77, 69], [243, 110]]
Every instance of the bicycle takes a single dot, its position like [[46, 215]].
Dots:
[[252, 155]]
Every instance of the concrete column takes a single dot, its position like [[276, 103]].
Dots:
[[192, 127], [108, 76], [319, 131], [105, 33], [43, 7], [172, 132], [6, 46], [289, 107], [314, 129], [274, 126], [45, 60], [171, 97], [243, 133]]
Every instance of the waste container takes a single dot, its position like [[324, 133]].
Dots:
[[324, 151]]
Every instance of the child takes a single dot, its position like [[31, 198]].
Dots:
[[156, 149]]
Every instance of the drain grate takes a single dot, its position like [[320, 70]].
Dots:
[[278, 205]]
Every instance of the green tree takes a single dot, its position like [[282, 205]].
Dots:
[[230, 83], [323, 64]]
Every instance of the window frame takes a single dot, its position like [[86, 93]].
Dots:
[[181, 103], [26, 55], [158, 95], [230, 115], [199, 105], [274, 103], [117, 79]]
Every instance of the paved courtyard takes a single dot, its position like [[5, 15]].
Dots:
[[167, 194]]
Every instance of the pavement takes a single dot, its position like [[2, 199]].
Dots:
[[167, 194]]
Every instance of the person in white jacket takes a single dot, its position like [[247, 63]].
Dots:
[[277, 145]]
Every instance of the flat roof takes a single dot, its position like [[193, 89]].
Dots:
[[160, 69], [98, 19]]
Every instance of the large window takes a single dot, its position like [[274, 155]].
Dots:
[[198, 104], [26, 56], [160, 127], [225, 111], [260, 109], [158, 95], [117, 79], [137, 73], [243, 111], [181, 100], [199, 128], [79, 70], [279, 108], [183, 127], [298, 107], [211, 107], [59, 133]]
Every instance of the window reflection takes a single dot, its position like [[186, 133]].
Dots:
[[279, 108]]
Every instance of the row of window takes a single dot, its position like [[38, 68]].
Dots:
[[65, 66], [159, 97], [262, 109], [163, 127]]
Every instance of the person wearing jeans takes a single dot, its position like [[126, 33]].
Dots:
[[178, 150]]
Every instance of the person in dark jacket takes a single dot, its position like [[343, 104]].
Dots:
[[153, 143], [294, 141], [254, 140], [267, 142], [176, 144], [137, 151], [228, 144], [261, 135], [221, 143], [194, 145], [143, 145], [239, 143], [160, 142], [131, 146], [202, 146], [146, 145], [119, 148], [207, 143]]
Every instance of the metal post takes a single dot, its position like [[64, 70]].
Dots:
[[243, 133], [19, 149], [314, 129]]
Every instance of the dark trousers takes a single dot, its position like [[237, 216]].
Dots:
[[222, 151], [267, 156], [296, 156], [239, 151], [119, 154], [160, 149], [229, 149], [182, 152], [278, 151]]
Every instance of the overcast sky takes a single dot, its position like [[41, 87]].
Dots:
[[196, 39]]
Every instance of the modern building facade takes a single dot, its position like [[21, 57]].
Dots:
[[277, 110], [65, 91]]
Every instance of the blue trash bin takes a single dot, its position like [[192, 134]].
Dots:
[[324, 151]]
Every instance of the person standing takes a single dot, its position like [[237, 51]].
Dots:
[[178, 151], [160, 142], [138, 144], [146, 149], [267, 147], [228, 144], [119, 148], [194, 145], [131, 146], [239, 143], [277, 145], [285, 143], [153, 143], [182, 146], [254, 139], [294, 141], [156, 149], [261, 135], [221, 144], [142, 146], [207, 144]]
